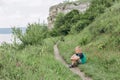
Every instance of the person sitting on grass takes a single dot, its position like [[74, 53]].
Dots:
[[77, 58]]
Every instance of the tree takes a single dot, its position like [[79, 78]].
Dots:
[[59, 20], [35, 33]]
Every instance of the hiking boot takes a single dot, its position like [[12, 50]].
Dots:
[[71, 66]]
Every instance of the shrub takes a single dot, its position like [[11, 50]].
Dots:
[[83, 41], [60, 20], [63, 23], [35, 33], [79, 26]]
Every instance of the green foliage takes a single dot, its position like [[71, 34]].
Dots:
[[100, 58], [101, 43], [72, 16], [79, 26], [63, 23], [108, 24], [97, 7], [35, 33], [34, 62], [53, 33], [74, 22], [59, 20], [83, 41]]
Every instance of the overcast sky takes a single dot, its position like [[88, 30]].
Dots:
[[20, 12]]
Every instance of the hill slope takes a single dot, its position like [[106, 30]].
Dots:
[[34, 62], [101, 43]]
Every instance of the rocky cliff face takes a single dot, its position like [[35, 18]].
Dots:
[[65, 8]]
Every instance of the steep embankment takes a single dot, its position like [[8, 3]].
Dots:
[[101, 43]]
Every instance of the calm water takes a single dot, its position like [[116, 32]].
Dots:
[[6, 38], [6, 35]]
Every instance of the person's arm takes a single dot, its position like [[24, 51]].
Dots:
[[74, 57]]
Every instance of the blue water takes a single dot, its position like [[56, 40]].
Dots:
[[9, 30], [6, 34]]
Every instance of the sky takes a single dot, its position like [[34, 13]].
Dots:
[[19, 13]]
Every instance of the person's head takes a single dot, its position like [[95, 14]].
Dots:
[[78, 49]]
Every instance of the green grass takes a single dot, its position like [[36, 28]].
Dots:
[[100, 41], [32, 63], [101, 48], [102, 64]]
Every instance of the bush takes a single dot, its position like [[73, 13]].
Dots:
[[35, 33], [60, 20], [79, 26], [63, 23]]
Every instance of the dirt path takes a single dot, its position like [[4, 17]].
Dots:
[[74, 70]]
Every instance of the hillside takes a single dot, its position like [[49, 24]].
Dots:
[[34, 62], [97, 32], [101, 43]]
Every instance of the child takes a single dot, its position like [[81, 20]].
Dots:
[[78, 57]]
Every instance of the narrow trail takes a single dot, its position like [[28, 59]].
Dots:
[[75, 70]]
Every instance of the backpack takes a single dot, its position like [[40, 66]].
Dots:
[[84, 59]]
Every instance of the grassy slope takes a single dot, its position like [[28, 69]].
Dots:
[[32, 63], [38, 63], [101, 50]]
